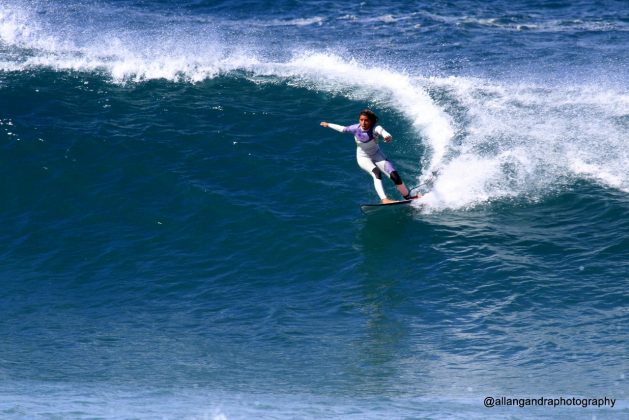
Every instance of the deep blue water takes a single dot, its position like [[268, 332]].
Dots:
[[181, 239]]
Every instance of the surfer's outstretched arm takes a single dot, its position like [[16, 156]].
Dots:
[[335, 127]]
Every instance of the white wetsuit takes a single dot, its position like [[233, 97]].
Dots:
[[368, 154]]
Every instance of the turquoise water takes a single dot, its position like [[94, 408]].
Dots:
[[182, 239]]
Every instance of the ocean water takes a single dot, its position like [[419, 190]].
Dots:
[[181, 239]]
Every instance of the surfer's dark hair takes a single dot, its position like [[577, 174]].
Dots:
[[370, 115]]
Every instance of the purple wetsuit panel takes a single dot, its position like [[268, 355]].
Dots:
[[361, 136]]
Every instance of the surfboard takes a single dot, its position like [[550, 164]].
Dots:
[[374, 208]]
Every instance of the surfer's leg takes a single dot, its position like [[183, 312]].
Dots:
[[388, 168], [399, 184], [368, 166]]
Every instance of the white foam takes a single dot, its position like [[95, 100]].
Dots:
[[527, 140], [19, 28], [13, 28], [315, 20]]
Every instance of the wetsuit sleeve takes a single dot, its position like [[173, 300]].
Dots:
[[336, 127], [381, 131]]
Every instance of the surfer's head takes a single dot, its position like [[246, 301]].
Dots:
[[367, 119]]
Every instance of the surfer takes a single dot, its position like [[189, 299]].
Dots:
[[368, 154]]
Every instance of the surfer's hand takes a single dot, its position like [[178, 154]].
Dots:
[[323, 124], [387, 139]]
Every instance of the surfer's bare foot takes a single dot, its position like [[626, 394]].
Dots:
[[387, 201]]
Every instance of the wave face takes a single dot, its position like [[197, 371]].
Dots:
[[506, 138], [182, 239]]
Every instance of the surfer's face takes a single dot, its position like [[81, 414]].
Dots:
[[365, 122]]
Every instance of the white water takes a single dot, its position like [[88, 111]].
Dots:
[[528, 140]]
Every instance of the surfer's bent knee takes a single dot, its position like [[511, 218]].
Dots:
[[395, 177], [377, 173]]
